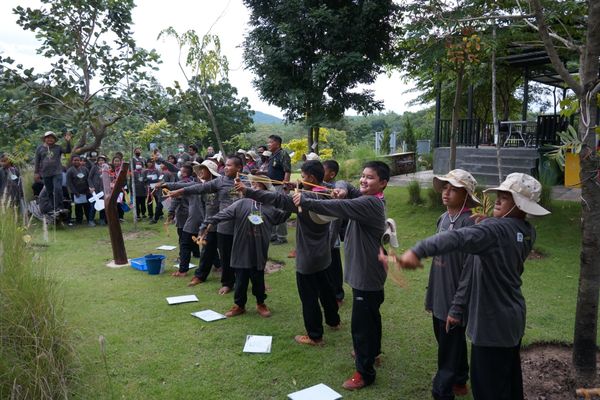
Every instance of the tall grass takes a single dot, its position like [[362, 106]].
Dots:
[[37, 360], [351, 168], [414, 193]]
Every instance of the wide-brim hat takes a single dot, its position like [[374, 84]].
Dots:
[[50, 133], [218, 157], [390, 236], [320, 218], [266, 153], [241, 151], [525, 190], [458, 178], [102, 156], [211, 166], [262, 179], [252, 154]]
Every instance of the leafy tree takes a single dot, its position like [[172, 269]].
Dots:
[[97, 68], [385, 141], [586, 88], [310, 56], [207, 68], [233, 116], [409, 135]]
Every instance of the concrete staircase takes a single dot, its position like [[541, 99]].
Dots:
[[482, 162]]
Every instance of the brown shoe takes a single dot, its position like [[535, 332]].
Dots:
[[460, 390], [235, 311], [356, 382], [263, 310], [305, 339], [292, 254], [195, 281]]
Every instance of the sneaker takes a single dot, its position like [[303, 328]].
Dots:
[[377, 359], [152, 221], [195, 281], [263, 310], [279, 241], [292, 254], [354, 383], [460, 390], [70, 224], [102, 222], [91, 223], [235, 311], [305, 339], [121, 220]]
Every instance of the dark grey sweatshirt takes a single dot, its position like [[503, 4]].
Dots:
[[446, 272], [250, 242], [47, 159], [366, 225], [195, 207], [223, 187], [313, 250], [77, 180], [496, 305]]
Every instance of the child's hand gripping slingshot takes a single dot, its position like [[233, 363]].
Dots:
[[201, 240], [389, 256]]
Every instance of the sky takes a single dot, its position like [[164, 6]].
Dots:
[[228, 19]]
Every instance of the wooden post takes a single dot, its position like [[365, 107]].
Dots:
[[114, 226]]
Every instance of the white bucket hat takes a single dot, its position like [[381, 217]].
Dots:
[[262, 179], [390, 236], [210, 165], [218, 157], [241, 151], [266, 153], [525, 191], [458, 178], [312, 156]]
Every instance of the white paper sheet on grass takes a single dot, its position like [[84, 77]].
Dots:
[[190, 298], [208, 315], [166, 247], [258, 344], [317, 392], [190, 266]]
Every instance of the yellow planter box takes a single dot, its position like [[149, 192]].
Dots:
[[572, 169]]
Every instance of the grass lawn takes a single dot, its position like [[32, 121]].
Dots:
[[157, 351]]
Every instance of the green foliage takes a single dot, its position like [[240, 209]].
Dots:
[[570, 142], [425, 162], [86, 42], [385, 141], [409, 136], [310, 57], [37, 357], [434, 199], [208, 72], [414, 193], [352, 167]]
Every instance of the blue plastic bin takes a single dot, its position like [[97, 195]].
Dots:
[[154, 263], [139, 264]]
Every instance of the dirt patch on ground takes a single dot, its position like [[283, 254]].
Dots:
[[548, 372], [535, 254], [138, 235], [273, 266]]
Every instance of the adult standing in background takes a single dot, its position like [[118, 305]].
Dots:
[[48, 165], [279, 169], [182, 157], [193, 152], [210, 152]]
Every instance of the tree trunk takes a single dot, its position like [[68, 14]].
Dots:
[[114, 226], [494, 112], [586, 315], [455, 115], [315, 146], [215, 127], [309, 138]]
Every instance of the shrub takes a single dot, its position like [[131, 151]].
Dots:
[[352, 167], [37, 360], [434, 199], [546, 195], [414, 193]]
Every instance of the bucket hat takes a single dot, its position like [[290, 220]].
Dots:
[[458, 178], [209, 165], [525, 191]]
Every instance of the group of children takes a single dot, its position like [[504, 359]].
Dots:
[[474, 284], [229, 207]]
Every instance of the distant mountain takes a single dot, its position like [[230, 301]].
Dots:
[[262, 118]]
